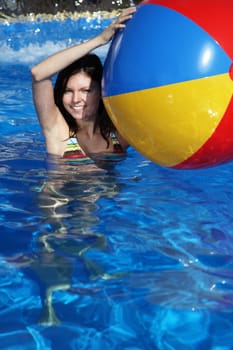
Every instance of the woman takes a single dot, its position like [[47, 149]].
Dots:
[[72, 115]]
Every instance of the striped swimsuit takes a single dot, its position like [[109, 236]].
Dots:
[[75, 155]]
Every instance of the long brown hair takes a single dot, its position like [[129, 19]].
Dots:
[[92, 66]]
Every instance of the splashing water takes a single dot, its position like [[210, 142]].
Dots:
[[27, 41]]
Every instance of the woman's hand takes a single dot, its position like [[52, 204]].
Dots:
[[118, 23]]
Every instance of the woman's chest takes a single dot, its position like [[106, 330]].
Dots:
[[94, 144]]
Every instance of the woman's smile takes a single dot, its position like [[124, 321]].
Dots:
[[81, 96]]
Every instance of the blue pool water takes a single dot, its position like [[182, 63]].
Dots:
[[130, 256]]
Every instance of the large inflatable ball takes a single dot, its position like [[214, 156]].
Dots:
[[167, 82]]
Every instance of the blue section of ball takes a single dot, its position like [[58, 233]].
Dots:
[[160, 46]]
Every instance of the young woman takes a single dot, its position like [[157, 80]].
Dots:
[[72, 115]]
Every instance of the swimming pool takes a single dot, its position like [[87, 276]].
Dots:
[[130, 256]]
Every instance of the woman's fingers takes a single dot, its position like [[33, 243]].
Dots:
[[118, 23], [125, 15]]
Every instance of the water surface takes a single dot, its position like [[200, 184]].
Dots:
[[127, 256]]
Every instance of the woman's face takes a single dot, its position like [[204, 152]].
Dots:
[[81, 97]]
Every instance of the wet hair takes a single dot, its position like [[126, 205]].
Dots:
[[92, 66]]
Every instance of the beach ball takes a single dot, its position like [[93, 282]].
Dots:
[[167, 82]]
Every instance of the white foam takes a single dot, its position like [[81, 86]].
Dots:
[[33, 53], [28, 54]]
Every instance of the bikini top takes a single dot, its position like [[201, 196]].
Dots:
[[74, 153]]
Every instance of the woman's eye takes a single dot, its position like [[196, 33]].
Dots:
[[67, 91]]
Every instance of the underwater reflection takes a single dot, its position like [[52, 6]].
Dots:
[[68, 200]]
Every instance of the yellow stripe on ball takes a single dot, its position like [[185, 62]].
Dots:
[[175, 120]]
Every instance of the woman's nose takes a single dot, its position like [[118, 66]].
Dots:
[[77, 96]]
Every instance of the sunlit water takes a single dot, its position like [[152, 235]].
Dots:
[[129, 256]]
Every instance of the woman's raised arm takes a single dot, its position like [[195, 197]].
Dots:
[[53, 64]]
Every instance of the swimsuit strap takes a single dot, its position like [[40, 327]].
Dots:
[[73, 145], [74, 152], [116, 144]]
